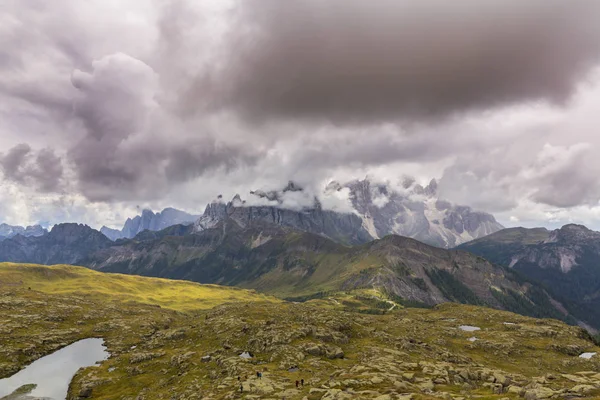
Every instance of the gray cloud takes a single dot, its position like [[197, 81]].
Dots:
[[44, 169], [134, 148], [564, 177], [189, 99], [352, 61]]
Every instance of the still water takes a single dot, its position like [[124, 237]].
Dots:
[[53, 373]]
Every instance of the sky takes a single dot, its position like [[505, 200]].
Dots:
[[107, 107]]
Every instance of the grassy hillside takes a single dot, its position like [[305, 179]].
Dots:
[[160, 353], [68, 279]]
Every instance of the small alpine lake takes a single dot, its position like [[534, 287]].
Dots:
[[49, 377]]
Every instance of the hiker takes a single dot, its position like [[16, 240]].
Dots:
[[239, 378], [302, 382], [241, 388], [297, 383], [257, 375]]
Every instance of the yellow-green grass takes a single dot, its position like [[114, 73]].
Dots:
[[172, 294]]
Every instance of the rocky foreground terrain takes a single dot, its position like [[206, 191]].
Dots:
[[334, 344]]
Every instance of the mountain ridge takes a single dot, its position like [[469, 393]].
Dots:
[[289, 263], [565, 260]]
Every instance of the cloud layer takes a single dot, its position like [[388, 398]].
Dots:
[[350, 61], [107, 106]]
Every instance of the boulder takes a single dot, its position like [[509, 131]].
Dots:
[[539, 393], [582, 389], [334, 352]]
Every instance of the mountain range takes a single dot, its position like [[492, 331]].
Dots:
[[149, 220], [299, 265], [308, 251], [377, 210], [292, 263]]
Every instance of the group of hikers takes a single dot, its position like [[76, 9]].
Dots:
[[259, 376]]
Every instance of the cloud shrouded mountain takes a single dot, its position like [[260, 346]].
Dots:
[[108, 106], [376, 209]]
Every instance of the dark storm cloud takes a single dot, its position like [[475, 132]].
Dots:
[[193, 159], [44, 169], [133, 147], [354, 60]]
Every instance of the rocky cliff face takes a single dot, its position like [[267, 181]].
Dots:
[[566, 260], [149, 221], [344, 228], [64, 244], [417, 213], [8, 231]]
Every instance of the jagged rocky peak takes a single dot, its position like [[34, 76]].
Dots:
[[216, 210], [71, 232], [277, 195], [379, 208], [333, 186], [304, 213], [292, 187], [69, 228], [148, 220], [8, 231], [416, 211]]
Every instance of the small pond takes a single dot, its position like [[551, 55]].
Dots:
[[53, 373]]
